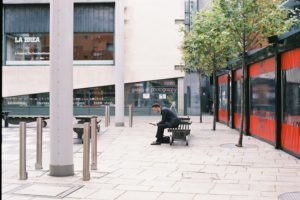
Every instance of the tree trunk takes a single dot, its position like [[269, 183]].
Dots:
[[200, 96], [243, 94], [240, 142], [215, 99]]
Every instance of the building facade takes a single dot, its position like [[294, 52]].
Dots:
[[151, 53]]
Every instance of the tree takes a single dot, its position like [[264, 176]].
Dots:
[[207, 46], [250, 23]]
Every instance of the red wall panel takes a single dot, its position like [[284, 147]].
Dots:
[[223, 79], [236, 120], [262, 67], [223, 115], [263, 128], [237, 74], [290, 59], [290, 137]]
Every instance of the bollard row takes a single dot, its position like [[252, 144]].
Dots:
[[90, 131]]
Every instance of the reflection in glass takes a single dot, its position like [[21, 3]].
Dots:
[[262, 95], [291, 100]]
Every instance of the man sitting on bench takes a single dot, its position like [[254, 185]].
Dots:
[[169, 120]]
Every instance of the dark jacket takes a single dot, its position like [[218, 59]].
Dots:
[[169, 117]]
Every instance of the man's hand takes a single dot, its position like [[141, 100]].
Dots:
[[153, 124]]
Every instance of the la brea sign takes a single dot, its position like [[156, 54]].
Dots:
[[27, 39]]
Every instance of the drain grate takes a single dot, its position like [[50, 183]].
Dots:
[[289, 196], [47, 190], [231, 145], [200, 175]]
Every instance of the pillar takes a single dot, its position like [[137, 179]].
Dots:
[[61, 88], [119, 63], [180, 96]]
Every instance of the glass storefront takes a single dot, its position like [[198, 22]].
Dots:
[[141, 95], [93, 46], [223, 96], [144, 94], [262, 95], [291, 100], [27, 46], [35, 47], [26, 34]]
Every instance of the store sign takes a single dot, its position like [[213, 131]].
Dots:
[[27, 39], [146, 96]]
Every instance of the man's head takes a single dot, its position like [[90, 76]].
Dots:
[[156, 107]]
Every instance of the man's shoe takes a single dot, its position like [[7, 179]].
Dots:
[[155, 143]]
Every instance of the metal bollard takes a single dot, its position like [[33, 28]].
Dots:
[[86, 151], [108, 110], [23, 172], [106, 116], [94, 143], [130, 115], [39, 143]]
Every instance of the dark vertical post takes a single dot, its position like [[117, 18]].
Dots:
[[247, 97], [200, 95], [278, 96], [230, 99]]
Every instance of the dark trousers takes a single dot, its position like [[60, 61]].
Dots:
[[160, 132]]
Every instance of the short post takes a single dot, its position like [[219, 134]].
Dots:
[[130, 115], [106, 116], [108, 110], [39, 143], [5, 119], [86, 151], [94, 143], [23, 172]]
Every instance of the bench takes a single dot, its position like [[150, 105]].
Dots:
[[182, 131], [78, 127], [16, 119], [5, 117]]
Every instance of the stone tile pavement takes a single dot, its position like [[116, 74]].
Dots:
[[129, 168]]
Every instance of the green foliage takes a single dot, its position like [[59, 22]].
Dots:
[[250, 22], [207, 45], [231, 27]]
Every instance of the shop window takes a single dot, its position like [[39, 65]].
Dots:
[[22, 47], [262, 95], [237, 96], [291, 100], [223, 96], [94, 46]]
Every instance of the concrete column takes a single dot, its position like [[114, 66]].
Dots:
[[119, 62], [180, 95], [61, 88]]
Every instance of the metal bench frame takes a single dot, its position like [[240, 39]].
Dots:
[[182, 132]]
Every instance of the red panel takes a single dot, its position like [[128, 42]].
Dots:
[[290, 138], [237, 74], [262, 67], [236, 120], [223, 79], [223, 115], [290, 59], [262, 127]]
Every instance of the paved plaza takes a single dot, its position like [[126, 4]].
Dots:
[[129, 168]]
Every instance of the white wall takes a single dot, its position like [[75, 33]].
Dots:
[[152, 41]]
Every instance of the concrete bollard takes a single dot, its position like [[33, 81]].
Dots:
[[22, 168], [107, 115], [94, 143], [39, 143], [86, 151], [130, 115]]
